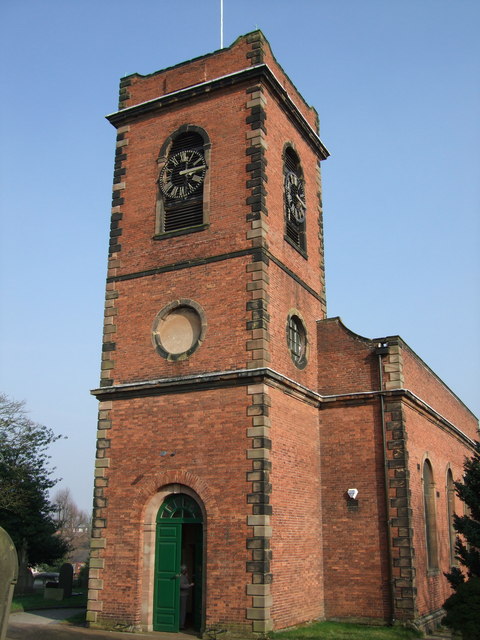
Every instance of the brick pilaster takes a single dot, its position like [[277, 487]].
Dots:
[[321, 248], [258, 345], [393, 366], [259, 520], [400, 511], [257, 287], [257, 53], [99, 522], [109, 326], [123, 93]]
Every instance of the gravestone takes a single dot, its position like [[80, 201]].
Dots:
[[8, 574], [24, 580], [25, 577], [65, 579]]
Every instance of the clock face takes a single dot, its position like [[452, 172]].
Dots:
[[295, 197], [182, 174]]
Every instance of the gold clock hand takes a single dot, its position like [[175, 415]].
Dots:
[[192, 170]]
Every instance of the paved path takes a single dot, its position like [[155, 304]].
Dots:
[[47, 625]]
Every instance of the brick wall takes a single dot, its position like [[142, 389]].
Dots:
[[297, 565], [427, 440], [247, 50], [354, 532], [141, 299], [227, 231], [279, 133], [420, 379], [345, 363], [285, 296], [417, 409], [207, 432]]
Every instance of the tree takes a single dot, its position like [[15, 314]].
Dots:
[[73, 525], [25, 479], [463, 606]]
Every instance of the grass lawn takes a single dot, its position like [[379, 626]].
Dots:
[[343, 631], [37, 601]]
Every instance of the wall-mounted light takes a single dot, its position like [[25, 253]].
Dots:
[[352, 493]]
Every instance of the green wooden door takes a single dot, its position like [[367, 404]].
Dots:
[[177, 511], [167, 576]]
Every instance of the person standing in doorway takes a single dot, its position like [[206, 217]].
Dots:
[[185, 586]]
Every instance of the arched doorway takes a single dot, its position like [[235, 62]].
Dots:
[[179, 541]]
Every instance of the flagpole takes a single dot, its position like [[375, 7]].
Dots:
[[221, 24]]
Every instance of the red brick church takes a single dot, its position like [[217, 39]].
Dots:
[[297, 470]]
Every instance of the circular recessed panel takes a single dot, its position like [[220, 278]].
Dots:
[[178, 330], [297, 340]]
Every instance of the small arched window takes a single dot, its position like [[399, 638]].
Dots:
[[182, 179], [297, 340], [450, 515], [294, 198], [430, 519]]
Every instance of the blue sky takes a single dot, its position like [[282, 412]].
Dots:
[[396, 85]]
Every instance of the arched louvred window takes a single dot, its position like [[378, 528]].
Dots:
[[294, 196], [182, 183], [450, 515], [179, 506], [430, 517]]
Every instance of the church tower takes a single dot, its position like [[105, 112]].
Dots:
[[208, 438]]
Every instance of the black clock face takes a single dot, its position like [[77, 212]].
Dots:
[[295, 197], [182, 174]]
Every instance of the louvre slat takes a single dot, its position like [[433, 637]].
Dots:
[[187, 141], [293, 233], [291, 161], [186, 216]]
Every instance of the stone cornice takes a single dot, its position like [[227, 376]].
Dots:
[[242, 377], [200, 382], [256, 73]]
